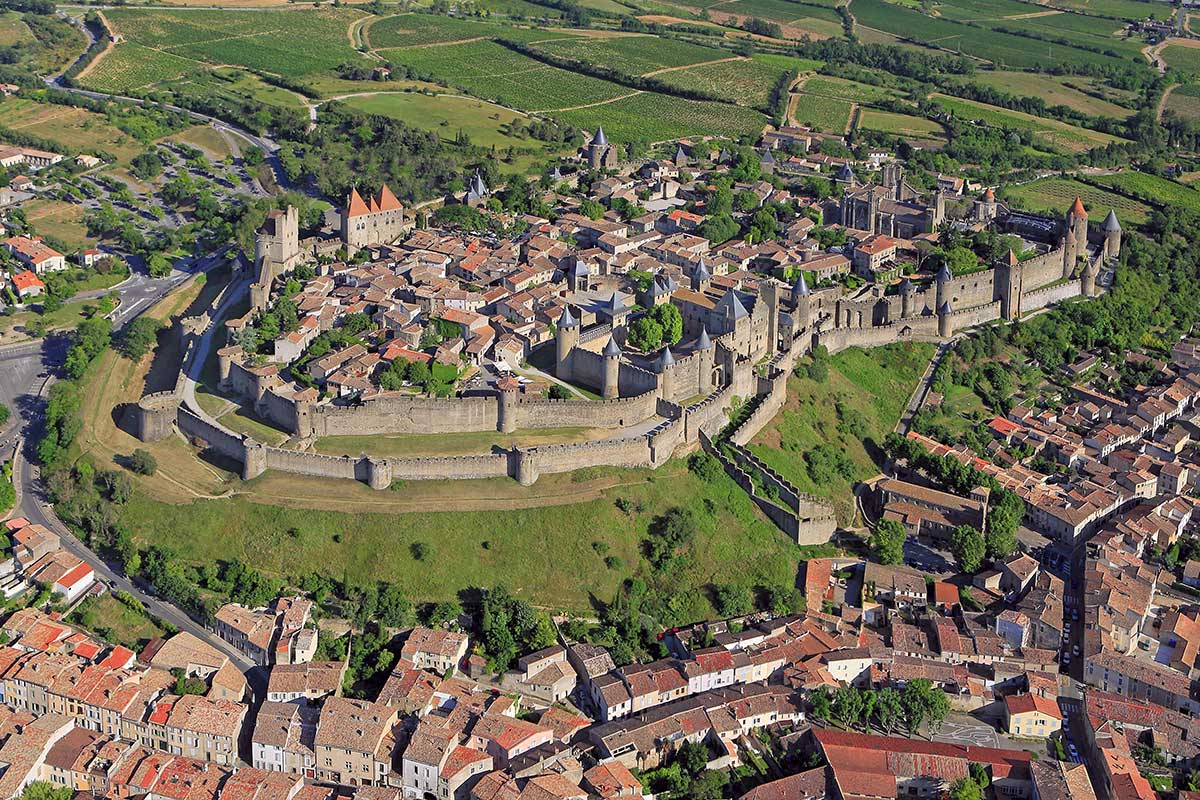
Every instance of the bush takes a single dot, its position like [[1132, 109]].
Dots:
[[419, 550], [706, 467], [142, 462]]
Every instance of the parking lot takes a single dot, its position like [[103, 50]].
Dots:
[[920, 555]]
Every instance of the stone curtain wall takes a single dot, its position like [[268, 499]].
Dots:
[[1041, 298]]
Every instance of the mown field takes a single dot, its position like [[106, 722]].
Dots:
[[648, 116], [1048, 133], [1055, 90], [843, 89], [860, 403], [13, 30], [1000, 48], [899, 124], [446, 115], [826, 114], [291, 42], [744, 81], [1054, 196]]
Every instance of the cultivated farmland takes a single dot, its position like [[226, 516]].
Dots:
[[133, 66], [826, 114], [292, 42], [1185, 101], [847, 90], [1152, 189], [648, 116], [899, 124], [745, 81], [408, 30], [1048, 133], [633, 55], [1054, 90], [1053, 195], [493, 72], [1182, 57]]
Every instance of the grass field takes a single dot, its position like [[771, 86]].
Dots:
[[899, 124], [1053, 89], [13, 30], [1185, 101], [745, 81], [825, 114], [73, 127], [292, 42], [446, 115], [116, 622], [1161, 190], [1052, 195], [207, 139], [1048, 133], [63, 221], [1002, 49], [872, 386], [633, 55], [454, 444], [654, 117]]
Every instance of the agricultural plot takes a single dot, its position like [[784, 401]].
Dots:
[[1179, 56], [1000, 48], [745, 81], [446, 115], [1140, 184], [1079, 29], [633, 55], [1131, 10], [292, 42], [899, 124], [1053, 195], [132, 66], [493, 72], [829, 86], [781, 11], [1184, 101], [1055, 90], [1049, 133], [408, 30], [647, 116], [825, 114]]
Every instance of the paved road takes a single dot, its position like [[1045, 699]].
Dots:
[[918, 396], [27, 371]]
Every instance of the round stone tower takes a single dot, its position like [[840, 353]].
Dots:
[[612, 369]]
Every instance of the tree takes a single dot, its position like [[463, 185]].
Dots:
[[968, 547], [887, 541], [5, 414], [979, 774], [870, 699], [1000, 542], [847, 706], [43, 790], [965, 789], [734, 600], [914, 701], [888, 709], [645, 333], [668, 318], [821, 704], [138, 337], [143, 462]]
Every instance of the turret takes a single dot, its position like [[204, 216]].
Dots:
[[597, 148], [666, 371], [945, 320], [907, 297], [506, 421], [701, 276], [612, 370], [704, 351], [1009, 285], [802, 300], [565, 339], [770, 294], [1112, 235], [943, 279], [1077, 223]]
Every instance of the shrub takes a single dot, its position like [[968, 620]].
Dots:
[[142, 462]]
